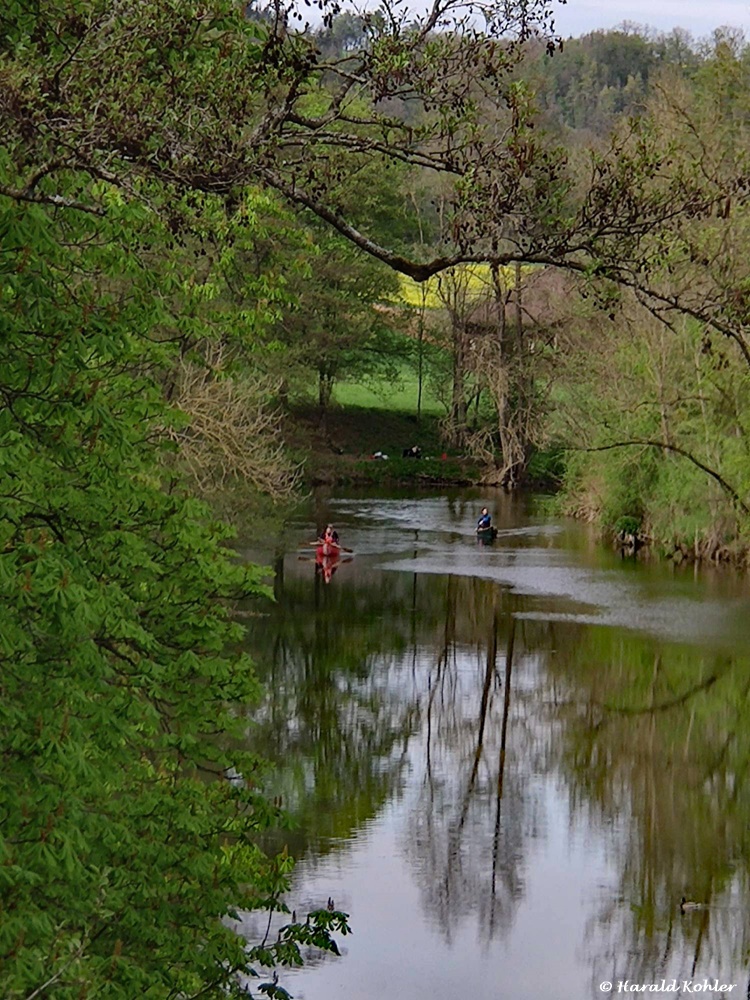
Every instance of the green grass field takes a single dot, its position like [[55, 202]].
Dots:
[[398, 397]]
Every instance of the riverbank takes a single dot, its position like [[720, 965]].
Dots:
[[338, 447], [647, 537]]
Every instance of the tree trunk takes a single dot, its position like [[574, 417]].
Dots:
[[325, 388], [325, 391], [458, 403], [511, 386], [420, 356]]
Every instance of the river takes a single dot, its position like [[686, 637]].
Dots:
[[507, 763]]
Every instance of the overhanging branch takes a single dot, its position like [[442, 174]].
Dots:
[[564, 260], [413, 269], [57, 200], [728, 489]]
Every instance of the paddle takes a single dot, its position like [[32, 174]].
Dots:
[[319, 542], [312, 559]]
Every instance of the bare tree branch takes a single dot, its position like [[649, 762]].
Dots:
[[663, 445]]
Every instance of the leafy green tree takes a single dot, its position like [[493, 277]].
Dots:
[[659, 397], [123, 850], [345, 324], [597, 77]]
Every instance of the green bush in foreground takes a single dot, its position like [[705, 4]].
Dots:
[[123, 853]]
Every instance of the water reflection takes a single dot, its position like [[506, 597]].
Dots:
[[656, 743], [510, 799]]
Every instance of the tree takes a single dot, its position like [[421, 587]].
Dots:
[[121, 861], [514, 199], [345, 322], [655, 383], [598, 77]]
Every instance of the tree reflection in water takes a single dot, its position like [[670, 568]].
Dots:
[[656, 745], [465, 837], [440, 693], [332, 719]]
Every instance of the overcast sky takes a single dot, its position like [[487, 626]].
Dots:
[[698, 16]]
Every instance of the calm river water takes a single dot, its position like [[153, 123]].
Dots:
[[508, 763]]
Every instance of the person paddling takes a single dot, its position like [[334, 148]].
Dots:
[[485, 521], [329, 536]]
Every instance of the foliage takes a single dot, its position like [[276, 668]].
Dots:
[[627, 525], [341, 325], [656, 424], [386, 101], [650, 387], [546, 469], [123, 850], [606, 74], [233, 431]]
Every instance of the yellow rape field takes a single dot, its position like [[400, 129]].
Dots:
[[479, 283]]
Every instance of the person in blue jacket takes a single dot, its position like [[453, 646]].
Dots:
[[485, 521]]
